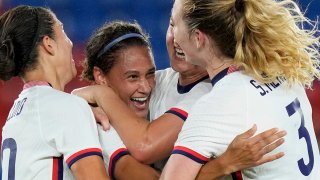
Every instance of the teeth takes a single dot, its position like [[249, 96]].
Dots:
[[140, 99], [179, 53]]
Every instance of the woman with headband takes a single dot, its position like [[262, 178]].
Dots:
[[119, 55]]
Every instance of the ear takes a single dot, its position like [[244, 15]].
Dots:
[[99, 76], [48, 45], [199, 38]]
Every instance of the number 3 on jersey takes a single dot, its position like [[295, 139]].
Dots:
[[292, 108], [10, 144]]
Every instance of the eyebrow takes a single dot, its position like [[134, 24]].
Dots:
[[134, 71]]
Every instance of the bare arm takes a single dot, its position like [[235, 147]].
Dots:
[[244, 151], [147, 142], [90, 167], [129, 168]]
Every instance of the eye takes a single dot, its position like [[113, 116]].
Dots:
[[133, 77], [151, 74]]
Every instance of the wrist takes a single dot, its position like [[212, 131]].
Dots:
[[225, 165]]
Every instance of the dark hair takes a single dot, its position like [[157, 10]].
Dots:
[[21, 29], [103, 36]]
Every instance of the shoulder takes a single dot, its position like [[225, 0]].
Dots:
[[165, 74], [61, 101]]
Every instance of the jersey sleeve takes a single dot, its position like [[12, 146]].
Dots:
[[183, 107], [71, 129], [112, 147], [213, 123]]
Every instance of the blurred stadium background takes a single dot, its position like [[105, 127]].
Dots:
[[82, 17]]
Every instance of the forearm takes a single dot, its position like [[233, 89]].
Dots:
[[129, 168], [147, 142], [214, 169]]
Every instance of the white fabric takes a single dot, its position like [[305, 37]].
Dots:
[[112, 147], [235, 103], [166, 96], [49, 124]]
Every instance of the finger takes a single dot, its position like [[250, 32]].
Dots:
[[270, 158], [105, 125], [264, 135], [266, 140], [273, 146], [249, 133]]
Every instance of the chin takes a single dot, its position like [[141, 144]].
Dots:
[[142, 114]]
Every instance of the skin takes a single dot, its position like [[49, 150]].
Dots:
[[56, 66], [202, 51], [188, 73], [195, 45], [149, 142], [135, 69]]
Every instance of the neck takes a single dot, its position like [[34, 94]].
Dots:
[[187, 78], [48, 75], [215, 68]]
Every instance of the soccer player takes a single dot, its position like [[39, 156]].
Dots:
[[119, 55], [46, 129], [259, 60]]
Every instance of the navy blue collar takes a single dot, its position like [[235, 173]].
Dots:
[[219, 76], [187, 88]]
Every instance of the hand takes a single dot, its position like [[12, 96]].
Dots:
[[246, 151], [86, 93], [101, 117]]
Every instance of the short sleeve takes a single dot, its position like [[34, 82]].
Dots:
[[112, 148], [70, 128], [213, 123]]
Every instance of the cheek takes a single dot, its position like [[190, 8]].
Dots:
[[152, 83], [126, 90]]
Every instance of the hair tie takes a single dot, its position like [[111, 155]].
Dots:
[[115, 41], [239, 5]]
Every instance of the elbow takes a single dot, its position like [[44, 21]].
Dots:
[[143, 153]]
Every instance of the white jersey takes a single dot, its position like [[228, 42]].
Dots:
[[238, 101], [46, 131], [170, 97], [112, 149]]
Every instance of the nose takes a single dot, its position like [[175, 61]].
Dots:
[[145, 86]]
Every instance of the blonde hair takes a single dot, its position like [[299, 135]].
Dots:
[[267, 38]]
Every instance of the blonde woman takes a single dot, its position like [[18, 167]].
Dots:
[[259, 59]]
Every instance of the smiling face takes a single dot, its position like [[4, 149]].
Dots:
[[182, 38], [177, 57], [132, 77], [64, 62]]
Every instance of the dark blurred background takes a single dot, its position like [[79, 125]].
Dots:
[[82, 17]]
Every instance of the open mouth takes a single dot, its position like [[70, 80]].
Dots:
[[140, 102], [179, 53]]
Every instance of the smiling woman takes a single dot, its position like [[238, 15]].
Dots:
[[37, 141], [122, 59]]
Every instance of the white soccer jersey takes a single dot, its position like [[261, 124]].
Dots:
[[171, 97], [112, 148], [168, 97], [238, 101], [46, 130]]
